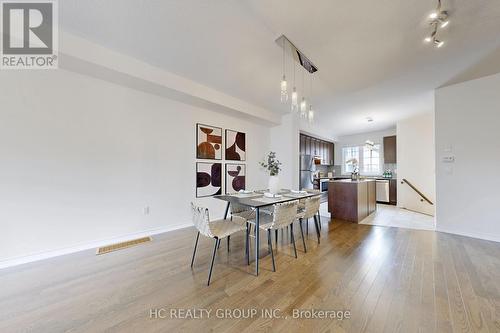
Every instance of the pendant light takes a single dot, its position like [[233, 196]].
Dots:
[[284, 91], [295, 104], [303, 103], [310, 114]]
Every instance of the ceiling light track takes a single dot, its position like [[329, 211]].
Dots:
[[438, 19], [296, 54]]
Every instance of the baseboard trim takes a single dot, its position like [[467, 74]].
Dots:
[[16, 261], [476, 235]]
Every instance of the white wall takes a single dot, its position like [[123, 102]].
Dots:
[[416, 162], [81, 157], [359, 139], [467, 127], [285, 142]]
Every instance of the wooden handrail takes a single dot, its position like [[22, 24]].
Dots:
[[416, 190]]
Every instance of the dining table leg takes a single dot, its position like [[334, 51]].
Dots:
[[257, 240]]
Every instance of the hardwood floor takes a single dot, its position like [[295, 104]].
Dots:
[[389, 279]]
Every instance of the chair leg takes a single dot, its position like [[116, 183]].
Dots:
[[317, 227], [228, 238], [293, 240], [247, 245], [276, 237], [307, 226], [217, 243], [270, 243], [195, 246], [302, 233], [319, 221]]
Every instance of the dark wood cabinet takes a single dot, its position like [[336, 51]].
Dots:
[[321, 148], [351, 200], [390, 150], [331, 149], [393, 191]]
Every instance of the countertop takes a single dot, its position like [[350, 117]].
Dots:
[[348, 177], [353, 181]]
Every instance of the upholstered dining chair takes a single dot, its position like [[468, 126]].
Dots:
[[313, 191], [284, 214], [310, 209], [241, 214], [216, 229]]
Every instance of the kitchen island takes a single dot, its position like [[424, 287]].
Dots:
[[352, 200]]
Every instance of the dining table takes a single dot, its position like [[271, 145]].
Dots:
[[257, 200]]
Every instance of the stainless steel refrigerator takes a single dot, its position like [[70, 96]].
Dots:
[[307, 170]]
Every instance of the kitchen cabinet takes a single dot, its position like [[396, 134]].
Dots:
[[317, 147], [390, 150], [326, 153], [393, 191], [302, 145], [323, 152]]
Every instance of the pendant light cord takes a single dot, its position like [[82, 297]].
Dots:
[[284, 66]]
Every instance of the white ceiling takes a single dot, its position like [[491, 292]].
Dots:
[[371, 58]]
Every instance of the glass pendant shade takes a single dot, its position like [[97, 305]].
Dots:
[[284, 92], [310, 115], [295, 102], [303, 107]]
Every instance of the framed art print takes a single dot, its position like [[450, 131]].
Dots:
[[235, 177], [208, 179], [208, 142], [235, 145]]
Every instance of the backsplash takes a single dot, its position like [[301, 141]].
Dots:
[[325, 169], [393, 167], [387, 166]]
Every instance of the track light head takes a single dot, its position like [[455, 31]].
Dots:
[[438, 43]]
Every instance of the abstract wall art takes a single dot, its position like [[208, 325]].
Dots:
[[235, 146], [235, 177], [208, 142], [208, 179]]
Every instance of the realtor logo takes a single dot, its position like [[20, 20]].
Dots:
[[29, 35]]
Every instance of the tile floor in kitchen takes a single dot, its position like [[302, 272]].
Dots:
[[392, 216]]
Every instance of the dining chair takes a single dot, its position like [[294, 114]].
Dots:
[[314, 191], [241, 214], [216, 229], [310, 209], [284, 214]]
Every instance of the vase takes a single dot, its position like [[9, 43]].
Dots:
[[273, 184]]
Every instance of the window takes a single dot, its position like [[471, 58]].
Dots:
[[371, 160], [348, 155], [368, 159]]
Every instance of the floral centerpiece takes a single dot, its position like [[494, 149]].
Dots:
[[273, 167]]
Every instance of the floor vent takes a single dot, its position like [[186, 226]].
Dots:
[[122, 245]]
